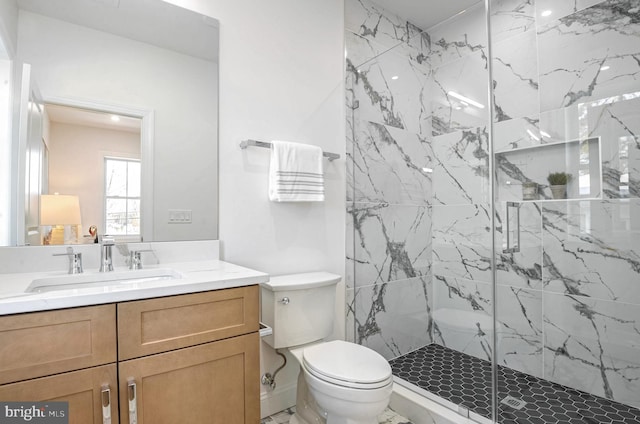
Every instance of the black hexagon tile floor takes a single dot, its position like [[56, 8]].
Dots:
[[524, 399]]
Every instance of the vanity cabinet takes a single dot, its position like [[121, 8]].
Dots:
[[186, 358]]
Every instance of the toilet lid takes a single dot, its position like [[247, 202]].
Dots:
[[347, 364]]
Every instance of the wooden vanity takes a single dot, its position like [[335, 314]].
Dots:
[[189, 358]]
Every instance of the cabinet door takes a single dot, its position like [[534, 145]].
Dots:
[[159, 325], [43, 343], [85, 390], [213, 383]]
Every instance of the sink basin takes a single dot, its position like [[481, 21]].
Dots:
[[114, 278]]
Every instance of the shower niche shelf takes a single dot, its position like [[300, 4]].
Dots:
[[582, 159]]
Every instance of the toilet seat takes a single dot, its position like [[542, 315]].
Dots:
[[348, 365]]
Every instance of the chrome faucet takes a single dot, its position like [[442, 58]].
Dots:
[[75, 260], [135, 258], [106, 262]]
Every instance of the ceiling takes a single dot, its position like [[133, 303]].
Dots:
[[90, 118], [149, 21], [425, 14]]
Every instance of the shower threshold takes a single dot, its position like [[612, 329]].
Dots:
[[463, 383]]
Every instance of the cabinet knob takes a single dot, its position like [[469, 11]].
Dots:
[[285, 300]]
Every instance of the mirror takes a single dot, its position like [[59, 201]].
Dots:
[[141, 60]]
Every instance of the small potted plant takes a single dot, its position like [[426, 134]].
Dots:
[[558, 184]]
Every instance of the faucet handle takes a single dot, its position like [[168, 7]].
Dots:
[[135, 258], [75, 261]]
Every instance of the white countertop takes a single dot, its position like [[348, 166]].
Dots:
[[196, 276]]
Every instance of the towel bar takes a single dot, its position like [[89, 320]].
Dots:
[[246, 143]]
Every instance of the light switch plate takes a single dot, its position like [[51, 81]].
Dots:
[[180, 216]]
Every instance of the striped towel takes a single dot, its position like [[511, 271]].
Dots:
[[295, 173]]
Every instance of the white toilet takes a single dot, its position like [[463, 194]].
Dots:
[[339, 382]]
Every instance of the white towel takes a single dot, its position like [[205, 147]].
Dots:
[[295, 173]]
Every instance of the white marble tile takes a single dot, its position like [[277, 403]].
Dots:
[[523, 268], [373, 22], [559, 125], [394, 318], [462, 242], [617, 123], [388, 416], [462, 315], [515, 76], [393, 90], [592, 248], [574, 51], [560, 9], [350, 248], [391, 242], [510, 18], [461, 168], [592, 345], [516, 133], [391, 165], [460, 36], [466, 76], [519, 334], [350, 312]]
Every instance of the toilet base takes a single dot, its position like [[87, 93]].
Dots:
[[306, 406]]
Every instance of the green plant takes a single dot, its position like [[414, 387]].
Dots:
[[559, 178]]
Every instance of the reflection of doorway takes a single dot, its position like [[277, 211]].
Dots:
[[80, 141]]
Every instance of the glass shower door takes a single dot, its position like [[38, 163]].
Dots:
[[566, 155]]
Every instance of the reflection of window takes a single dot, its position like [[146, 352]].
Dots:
[[122, 196]]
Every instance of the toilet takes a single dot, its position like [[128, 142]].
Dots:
[[339, 382]]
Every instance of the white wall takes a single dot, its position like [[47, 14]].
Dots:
[[80, 63], [281, 77], [76, 164], [9, 26], [8, 37], [5, 151]]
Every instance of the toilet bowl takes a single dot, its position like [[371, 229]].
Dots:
[[339, 382], [345, 384]]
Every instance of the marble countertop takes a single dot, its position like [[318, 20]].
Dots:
[[195, 276]]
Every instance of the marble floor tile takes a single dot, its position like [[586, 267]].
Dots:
[[387, 417]]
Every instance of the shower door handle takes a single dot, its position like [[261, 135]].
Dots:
[[513, 246]]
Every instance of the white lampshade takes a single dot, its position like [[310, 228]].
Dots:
[[59, 209]]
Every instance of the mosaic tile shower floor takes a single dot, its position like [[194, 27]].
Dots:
[[466, 380], [387, 417]]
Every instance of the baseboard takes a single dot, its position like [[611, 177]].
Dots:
[[283, 397]]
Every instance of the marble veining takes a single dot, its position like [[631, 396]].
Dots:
[[590, 54], [593, 343], [510, 18], [390, 242], [591, 248], [461, 168], [394, 318]]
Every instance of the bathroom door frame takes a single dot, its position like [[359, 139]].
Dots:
[[147, 125]]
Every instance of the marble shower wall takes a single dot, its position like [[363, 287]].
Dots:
[[389, 184], [567, 97], [461, 229], [567, 94]]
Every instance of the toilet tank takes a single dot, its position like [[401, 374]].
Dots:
[[300, 308]]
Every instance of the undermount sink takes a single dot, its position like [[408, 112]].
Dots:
[[114, 278]]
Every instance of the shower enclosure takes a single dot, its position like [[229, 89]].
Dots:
[[488, 287]]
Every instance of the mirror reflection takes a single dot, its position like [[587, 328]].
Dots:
[[115, 105]]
